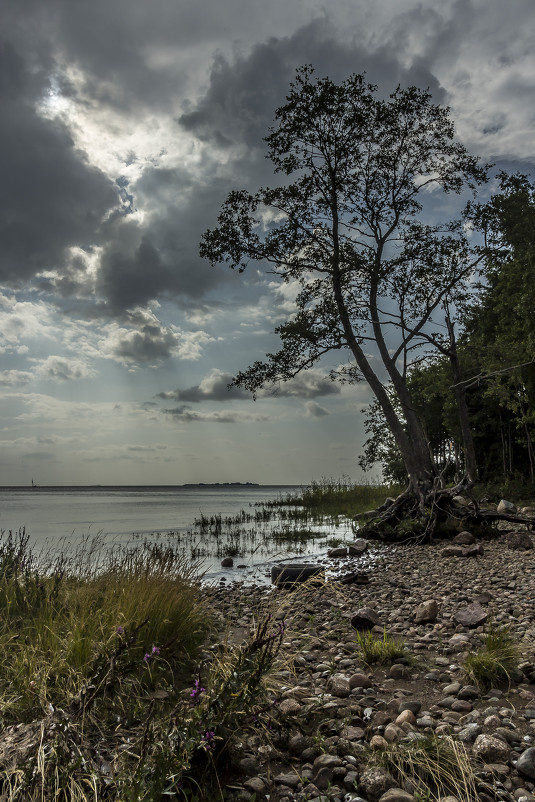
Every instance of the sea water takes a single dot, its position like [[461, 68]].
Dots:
[[200, 521]]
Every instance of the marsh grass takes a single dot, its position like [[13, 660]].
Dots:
[[494, 662], [340, 497], [379, 651], [435, 766]]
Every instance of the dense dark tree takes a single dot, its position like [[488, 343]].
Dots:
[[346, 225], [495, 354]]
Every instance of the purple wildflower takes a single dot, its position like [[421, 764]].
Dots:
[[155, 650], [196, 692], [208, 739], [120, 630], [146, 657]]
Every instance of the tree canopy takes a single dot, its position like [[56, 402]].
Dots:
[[346, 223]]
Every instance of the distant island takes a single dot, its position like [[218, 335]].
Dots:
[[222, 484]]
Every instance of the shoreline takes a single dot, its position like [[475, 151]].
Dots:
[[327, 689]]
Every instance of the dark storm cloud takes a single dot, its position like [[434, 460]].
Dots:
[[50, 198], [160, 258], [151, 343], [243, 94], [215, 387]]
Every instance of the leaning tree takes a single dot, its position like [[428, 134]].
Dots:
[[346, 223]]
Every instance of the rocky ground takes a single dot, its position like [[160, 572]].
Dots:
[[334, 709]]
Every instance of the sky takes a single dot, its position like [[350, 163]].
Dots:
[[124, 125]]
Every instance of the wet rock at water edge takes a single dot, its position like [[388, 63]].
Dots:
[[227, 562]]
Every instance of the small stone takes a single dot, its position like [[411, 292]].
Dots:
[[290, 779], [526, 763], [289, 707], [378, 742], [376, 782], [462, 706], [507, 507], [256, 786], [227, 562], [339, 686], [464, 539], [426, 612], [359, 680], [518, 541], [473, 615], [399, 671], [365, 618], [406, 716], [490, 749], [250, 766], [397, 795]]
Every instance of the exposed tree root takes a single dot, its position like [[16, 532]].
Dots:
[[421, 514]]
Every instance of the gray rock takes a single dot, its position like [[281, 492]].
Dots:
[[359, 546], [365, 618], [339, 551], [359, 680], [426, 612], [250, 766], [227, 562], [396, 795], [507, 507], [519, 540], [453, 551], [526, 763], [376, 782], [469, 733], [256, 786], [339, 686], [290, 779], [471, 616], [464, 539], [490, 749]]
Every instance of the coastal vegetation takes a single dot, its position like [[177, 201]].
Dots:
[[101, 691], [433, 316]]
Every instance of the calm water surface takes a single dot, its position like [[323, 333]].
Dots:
[[61, 518]]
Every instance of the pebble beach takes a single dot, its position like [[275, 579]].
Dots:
[[440, 600]]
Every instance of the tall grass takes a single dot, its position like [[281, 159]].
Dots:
[[99, 695], [340, 497]]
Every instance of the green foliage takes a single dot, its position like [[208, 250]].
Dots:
[[379, 650], [340, 496], [493, 663], [95, 656]]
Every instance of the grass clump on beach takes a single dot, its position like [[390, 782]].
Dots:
[[494, 662], [101, 691], [379, 651], [435, 767]]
